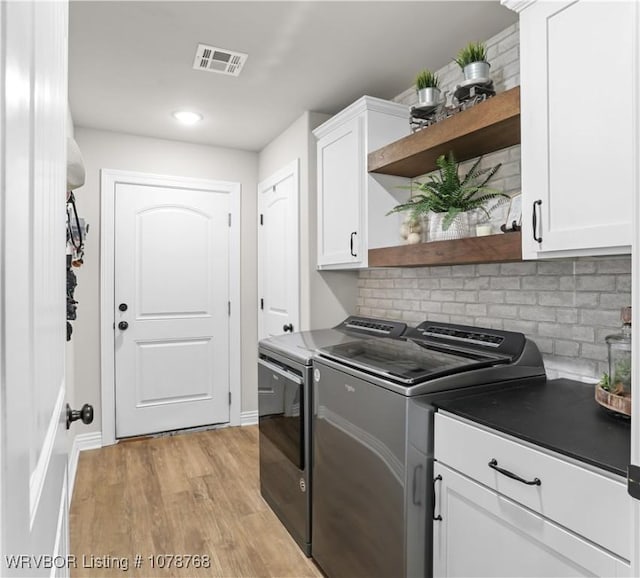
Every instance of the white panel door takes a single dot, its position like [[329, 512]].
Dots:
[[579, 139], [33, 454], [279, 253], [171, 308]]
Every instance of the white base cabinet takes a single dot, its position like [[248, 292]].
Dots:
[[579, 67], [483, 533], [575, 522], [352, 204]]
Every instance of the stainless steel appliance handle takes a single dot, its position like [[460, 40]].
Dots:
[[417, 501], [280, 371]]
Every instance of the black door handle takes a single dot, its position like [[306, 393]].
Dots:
[[123, 307], [437, 518], [351, 246], [288, 328], [85, 414], [123, 325], [535, 221], [493, 464]]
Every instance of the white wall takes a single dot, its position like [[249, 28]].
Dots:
[[325, 298], [108, 150]]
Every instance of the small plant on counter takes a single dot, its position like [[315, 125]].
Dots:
[[605, 382], [446, 192], [473, 52], [427, 79]]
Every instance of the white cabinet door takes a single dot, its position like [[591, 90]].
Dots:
[[482, 533], [579, 103], [340, 194]]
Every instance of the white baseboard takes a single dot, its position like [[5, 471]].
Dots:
[[249, 417], [82, 442]]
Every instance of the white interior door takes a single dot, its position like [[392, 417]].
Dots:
[[172, 307], [279, 253], [33, 453]]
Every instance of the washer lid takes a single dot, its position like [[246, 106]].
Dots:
[[408, 361]]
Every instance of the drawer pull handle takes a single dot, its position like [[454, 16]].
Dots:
[[493, 464]]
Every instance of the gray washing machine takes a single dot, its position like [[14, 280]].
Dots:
[[285, 405], [373, 438]]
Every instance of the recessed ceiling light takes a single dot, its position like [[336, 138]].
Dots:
[[187, 117]]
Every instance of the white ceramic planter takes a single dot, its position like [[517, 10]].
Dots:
[[459, 228]]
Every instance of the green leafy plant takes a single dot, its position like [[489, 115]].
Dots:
[[473, 52], [446, 192], [427, 79], [605, 382]]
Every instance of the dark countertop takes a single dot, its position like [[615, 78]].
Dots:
[[560, 415]]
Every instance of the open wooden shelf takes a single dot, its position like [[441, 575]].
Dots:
[[500, 248], [486, 127]]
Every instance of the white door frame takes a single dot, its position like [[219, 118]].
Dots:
[[635, 302], [108, 180], [289, 170]]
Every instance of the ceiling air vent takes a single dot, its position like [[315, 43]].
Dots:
[[220, 60]]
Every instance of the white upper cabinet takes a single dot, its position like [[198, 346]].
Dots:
[[579, 112], [352, 204]]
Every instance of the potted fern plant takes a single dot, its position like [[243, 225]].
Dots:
[[428, 89], [472, 59], [448, 198]]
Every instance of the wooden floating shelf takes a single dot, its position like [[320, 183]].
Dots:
[[502, 248], [489, 126]]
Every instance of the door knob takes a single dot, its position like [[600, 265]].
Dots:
[[287, 328], [123, 325], [123, 307], [85, 414]]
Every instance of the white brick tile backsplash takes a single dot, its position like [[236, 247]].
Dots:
[[567, 307], [623, 283], [504, 282], [521, 297]]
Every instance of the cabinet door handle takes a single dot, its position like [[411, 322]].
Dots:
[[437, 518], [493, 464], [416, 498], [535, 221], [351, 244]]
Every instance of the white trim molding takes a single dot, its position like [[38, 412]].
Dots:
[[81, 443], [109, 178], [635, 301], [249, 417], [517, 5]]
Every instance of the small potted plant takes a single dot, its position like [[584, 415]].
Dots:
[[428, 89], [447, 198], [472, 59]]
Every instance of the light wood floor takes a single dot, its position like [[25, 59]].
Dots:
[[195, 494]]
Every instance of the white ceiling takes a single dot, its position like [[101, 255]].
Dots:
[[130, 63]]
